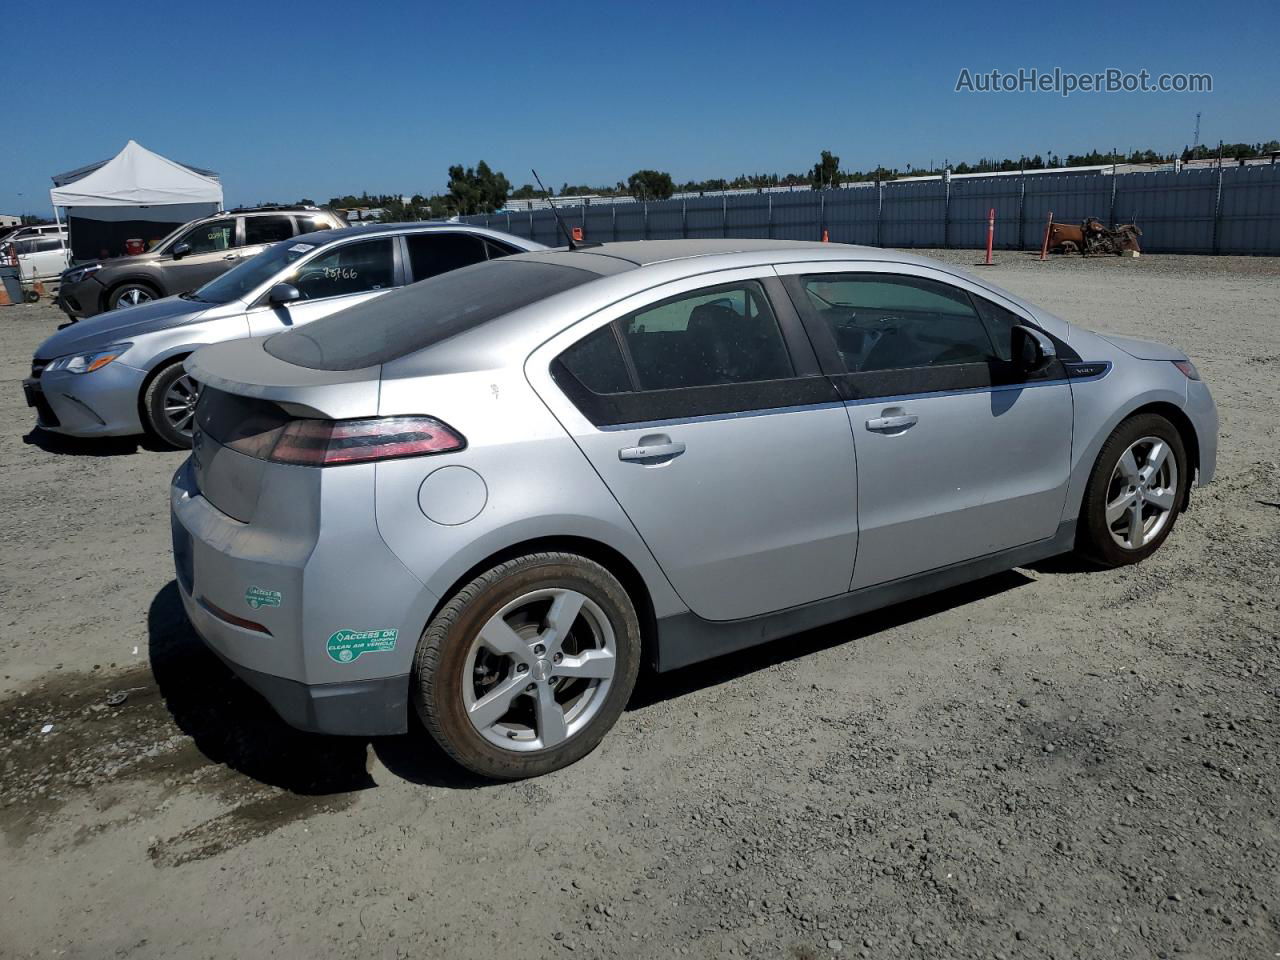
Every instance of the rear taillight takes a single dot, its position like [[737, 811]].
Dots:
[[1188, 369], [330, 443]]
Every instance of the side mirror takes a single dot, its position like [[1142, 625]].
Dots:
[[181, 250], [1031, 350], [283, 293]]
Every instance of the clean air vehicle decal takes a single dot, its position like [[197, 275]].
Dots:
[[257, 597], [345, 646]]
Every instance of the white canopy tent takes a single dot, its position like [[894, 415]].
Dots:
[[135, 193]]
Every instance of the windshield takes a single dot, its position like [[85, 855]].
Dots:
[[251, 274]]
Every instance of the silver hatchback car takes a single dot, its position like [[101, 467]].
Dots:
[[491, 496], [120, 373]]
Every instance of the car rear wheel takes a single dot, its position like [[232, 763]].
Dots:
[[130, 295], [527, 667], [170, 405], [1138, 485]]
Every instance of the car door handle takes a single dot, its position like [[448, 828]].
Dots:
[[652, 451], [893, 423]]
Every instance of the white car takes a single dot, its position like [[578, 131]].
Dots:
[[40, 257]]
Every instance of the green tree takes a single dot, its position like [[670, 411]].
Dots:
[[826, 172], [478, 189], [650, 185]]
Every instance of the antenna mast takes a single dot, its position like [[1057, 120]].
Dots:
[[1196, 140], [554, 212]]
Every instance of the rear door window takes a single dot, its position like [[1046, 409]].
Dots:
[[431, 254], [723, 335], [260, 230], [351, 268]]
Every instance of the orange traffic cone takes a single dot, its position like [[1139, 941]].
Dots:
[[826, 238]]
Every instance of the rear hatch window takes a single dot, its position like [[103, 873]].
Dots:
[[407, 320]]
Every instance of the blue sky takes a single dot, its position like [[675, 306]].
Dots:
[[322, 98]]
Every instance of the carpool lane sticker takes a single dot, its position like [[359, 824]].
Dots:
[[345, 646], [257, 597]]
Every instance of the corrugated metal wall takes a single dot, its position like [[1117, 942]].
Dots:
[[1232, 210]]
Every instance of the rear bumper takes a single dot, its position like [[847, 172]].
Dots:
[[323, 593], [103, 403], [368, 708]]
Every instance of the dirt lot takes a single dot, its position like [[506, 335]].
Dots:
[[1049, 763]]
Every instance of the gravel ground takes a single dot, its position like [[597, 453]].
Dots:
[[1053, 762]]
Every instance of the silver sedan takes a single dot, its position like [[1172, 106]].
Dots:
[[120, 373], [491, 496]]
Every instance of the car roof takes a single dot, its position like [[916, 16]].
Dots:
[[630, 254], [413, 226]]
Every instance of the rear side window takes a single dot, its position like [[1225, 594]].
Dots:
[[311, 224], [431, 254], [421, 314], [597, 362], [267, 229]]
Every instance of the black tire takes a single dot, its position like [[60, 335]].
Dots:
[[1094, 539], [123, 291], [155, 419], [441, 659]]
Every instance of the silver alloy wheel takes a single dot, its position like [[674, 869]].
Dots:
[[539, 670], [180, 404], [1142, 493], [132, 297]]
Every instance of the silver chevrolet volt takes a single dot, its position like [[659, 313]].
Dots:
[[491, 496]]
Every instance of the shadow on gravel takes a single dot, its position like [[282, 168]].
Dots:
[[232, 725], [656, 687], [89, 446]]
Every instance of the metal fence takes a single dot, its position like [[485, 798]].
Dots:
[[1226, 210]]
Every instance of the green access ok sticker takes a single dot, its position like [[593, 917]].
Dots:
[[345, 646], [257, 597]]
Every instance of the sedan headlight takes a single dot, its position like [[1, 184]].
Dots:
[[80, 273], [88, 362]]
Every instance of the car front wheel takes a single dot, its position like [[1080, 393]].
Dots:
[[170, 405], [527, 667], [130, 295], [1138, 485]]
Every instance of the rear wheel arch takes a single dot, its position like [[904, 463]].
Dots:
[[608, 557]]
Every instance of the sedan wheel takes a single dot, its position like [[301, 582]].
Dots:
[[1138, 485], [180, 405], [527, 667], [170, 405], [1142, 494], [539, 670]]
